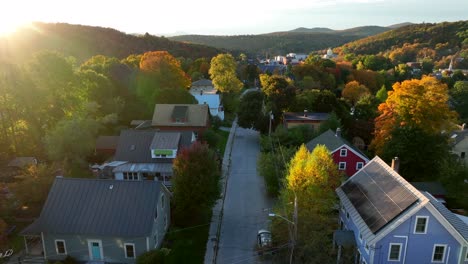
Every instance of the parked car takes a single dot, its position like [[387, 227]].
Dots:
[[263, 240]]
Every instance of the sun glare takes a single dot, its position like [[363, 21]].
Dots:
[[8, 27]]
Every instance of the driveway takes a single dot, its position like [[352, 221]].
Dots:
[[244, 203]]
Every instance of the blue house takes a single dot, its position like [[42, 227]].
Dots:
[[99, 221], [390, 221]]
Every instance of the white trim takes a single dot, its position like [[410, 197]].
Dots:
[[416, 224], [406, 247], [64, 246], [339, 165], [166, 222], [147, 244], [352, 150], [90, 250], [163, 201], [125, 250], [390, 251], [466, 253], [357, 165], [345, 154], [443, 255], [156, 239]]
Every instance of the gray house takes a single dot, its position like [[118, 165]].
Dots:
[[101, 220]]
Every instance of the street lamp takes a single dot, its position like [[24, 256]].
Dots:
[[282, 217]]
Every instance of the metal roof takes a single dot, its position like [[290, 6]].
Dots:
[[107, 142], [202, 82], [300, 116], [144, 167], [452, 218], [197, 115], [165, 140], [135, 145], [332, 142], [98, 207], [434, 188]]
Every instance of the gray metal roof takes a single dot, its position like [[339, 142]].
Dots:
[[165, 140], [135, 145], [202, 82], [459, 135], [144, 167], [293, 116], [98, 207], [456, 222], [434, 188], [332, 142]]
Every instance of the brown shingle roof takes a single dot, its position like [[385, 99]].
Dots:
[[197, 115]]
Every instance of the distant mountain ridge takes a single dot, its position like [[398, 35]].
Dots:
[[83, 42]]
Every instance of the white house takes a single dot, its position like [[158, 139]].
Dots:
[[205, 93]]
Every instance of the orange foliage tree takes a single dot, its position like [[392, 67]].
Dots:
[[421, 104], [166, 68], [354, 91]]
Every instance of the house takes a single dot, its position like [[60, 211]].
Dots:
[[181, 117], [106, 145], [205, 93], [459, 140], [147, 154], [434, 188], [100, 221], [314, 120], [393, 222], [348, 157]]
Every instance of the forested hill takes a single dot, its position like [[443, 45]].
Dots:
[[300, 40], [446, 35], [83, 42]]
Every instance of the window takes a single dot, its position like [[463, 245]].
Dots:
[[156, 214], [358, 255], [394, 252], [462, 155], [60, 247], [129, 250], [130, 176], [341, 225], [359, 165], [347, 215], [420, 226], [162, 201], [342, 166], [438, 254], [360, 236], [343, 152]]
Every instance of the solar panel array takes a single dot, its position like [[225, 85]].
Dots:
[[377, 196]]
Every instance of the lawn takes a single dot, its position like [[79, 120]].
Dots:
[[188, 245], [223, 138]]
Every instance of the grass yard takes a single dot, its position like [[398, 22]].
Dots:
[[223, 138], [188, 245]]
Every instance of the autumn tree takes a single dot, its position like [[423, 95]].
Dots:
[[312, 179], [196, 184], [382, 94], [354, 91], [459, 99], [223, 74], [162, 80]]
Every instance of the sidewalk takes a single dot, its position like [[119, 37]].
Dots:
[[217, 211]]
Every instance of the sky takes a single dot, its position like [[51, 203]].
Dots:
[[218, 17]]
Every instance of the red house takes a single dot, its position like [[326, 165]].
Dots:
[[348, 158]]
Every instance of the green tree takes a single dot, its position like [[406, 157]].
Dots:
[[382, 94], [459, 99], [250, 113], [196, 184], [354, 91], [72, 140], [154, 256], [279, 92], [272, 166], [223, 74], [311, 177]]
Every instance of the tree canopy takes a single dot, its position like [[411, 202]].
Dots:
[[223, 74]]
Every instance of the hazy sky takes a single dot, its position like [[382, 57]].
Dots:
[[229, 17]]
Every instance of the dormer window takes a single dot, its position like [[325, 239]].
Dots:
[[343, 152]]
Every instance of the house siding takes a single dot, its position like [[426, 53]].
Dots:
[[351, 159], [77, 247], [419, 247], [349, 225], [462, 146]]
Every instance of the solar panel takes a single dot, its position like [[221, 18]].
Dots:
[[377, 196]]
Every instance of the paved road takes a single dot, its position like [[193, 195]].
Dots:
[[244, 203]]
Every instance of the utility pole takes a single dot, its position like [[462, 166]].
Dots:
[[294, 236], [269, 128]]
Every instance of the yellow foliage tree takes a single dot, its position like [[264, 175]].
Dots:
[[223, 74], [414, 103]]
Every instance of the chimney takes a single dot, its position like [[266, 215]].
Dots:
[[305, 112], [338, 132], [396, 164]]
